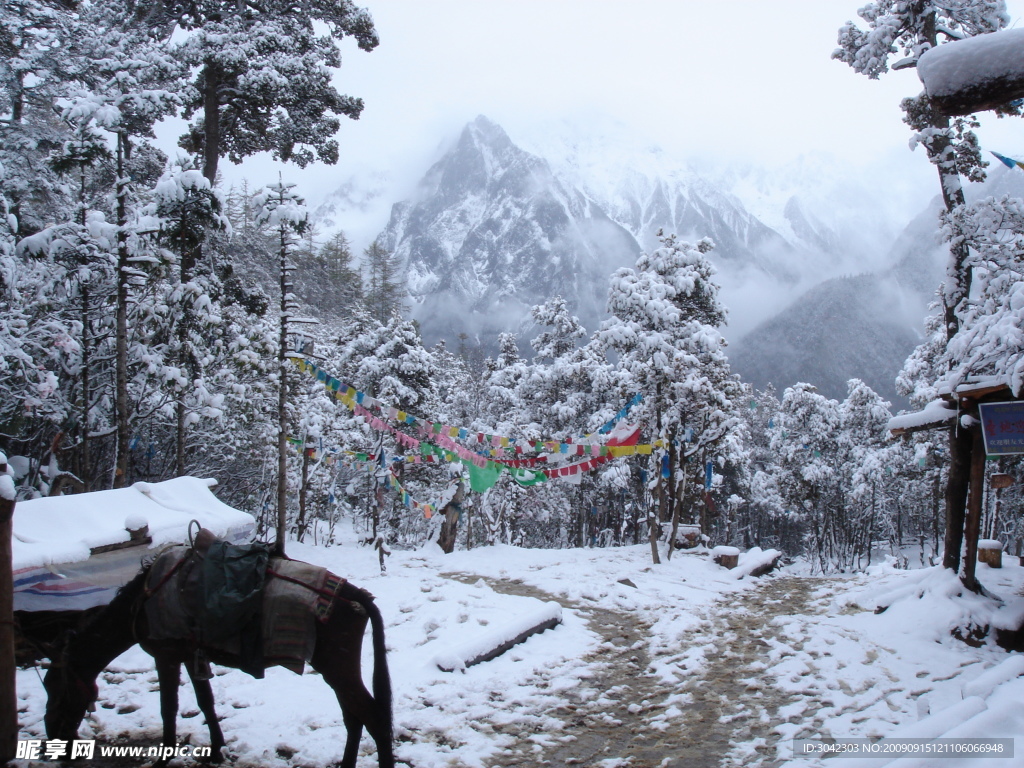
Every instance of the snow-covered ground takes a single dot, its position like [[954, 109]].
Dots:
[[753, 662]]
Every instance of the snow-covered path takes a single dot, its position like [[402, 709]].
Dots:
[[685, 709]]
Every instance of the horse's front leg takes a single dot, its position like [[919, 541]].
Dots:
[[168, 672], [204, 698]]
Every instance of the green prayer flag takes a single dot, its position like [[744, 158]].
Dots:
[[527, 478], [482, 478]]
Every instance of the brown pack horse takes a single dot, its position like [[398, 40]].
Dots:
[[71, 680]]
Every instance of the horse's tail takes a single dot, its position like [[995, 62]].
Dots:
[[381, 675]]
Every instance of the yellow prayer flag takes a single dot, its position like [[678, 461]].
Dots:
[[645, 450]]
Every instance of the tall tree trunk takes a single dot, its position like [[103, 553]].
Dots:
[[450, 526], [300, 523], [86, 453], [121, 319], [654, 511], [955, 290], [186, 361], [282, 399], [211, 121], [86, 392], [674, 495]]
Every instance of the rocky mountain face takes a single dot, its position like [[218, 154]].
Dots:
[[496, 228], [493, 232]]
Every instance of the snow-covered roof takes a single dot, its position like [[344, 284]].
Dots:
[[935, 414], [974, 74], [980, 385], [63, 529]]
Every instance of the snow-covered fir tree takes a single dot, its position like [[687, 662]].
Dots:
[[664, 328], [264, 77]]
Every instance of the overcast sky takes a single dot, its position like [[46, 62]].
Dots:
[[746, 79]]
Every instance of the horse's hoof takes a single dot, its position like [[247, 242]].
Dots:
[[216, 757]]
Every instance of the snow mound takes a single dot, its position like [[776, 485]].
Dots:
[[756, 561]]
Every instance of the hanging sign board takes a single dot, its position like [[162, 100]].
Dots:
[[1002, 425], [1000, 481]]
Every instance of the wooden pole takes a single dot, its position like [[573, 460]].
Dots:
[[972, 525], [960, 446], [8, 691]]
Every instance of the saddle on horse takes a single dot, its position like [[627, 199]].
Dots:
[[237, 599]]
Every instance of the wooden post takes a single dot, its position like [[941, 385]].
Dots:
[[729, 561], [960, 443], [990, 552], [450, 527], [300, 523], [975, 496], [8, 692]]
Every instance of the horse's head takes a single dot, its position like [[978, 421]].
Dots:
[[68, 697]]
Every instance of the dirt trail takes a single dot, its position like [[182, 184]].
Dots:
[[720, 712]]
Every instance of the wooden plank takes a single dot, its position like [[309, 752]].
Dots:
[[970, 393], [449, 663], [120, 545]]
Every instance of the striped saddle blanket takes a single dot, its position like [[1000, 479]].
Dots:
[[296, 595]]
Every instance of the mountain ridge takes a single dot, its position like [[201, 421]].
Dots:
[[494, 228]]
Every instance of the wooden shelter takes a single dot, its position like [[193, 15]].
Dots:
[[960, 410], [71, 553], [975, 74]]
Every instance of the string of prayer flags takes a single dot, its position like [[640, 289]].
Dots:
[[634, 400], [351, 397], [369, 464], [485, 466], [570, 470]]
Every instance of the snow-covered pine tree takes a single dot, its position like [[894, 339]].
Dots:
[[36, 65], [664, 328], [502, 409], [867, 464], [264, 76], [187, 208], [552, 379], [990, 340], [808, 449], [283, 213], [569, 391], [757, 517], [402, 373], [326, 279], [385, 288], [132, 84], [81, 267]]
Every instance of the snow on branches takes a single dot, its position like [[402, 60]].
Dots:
[[991, 337]]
